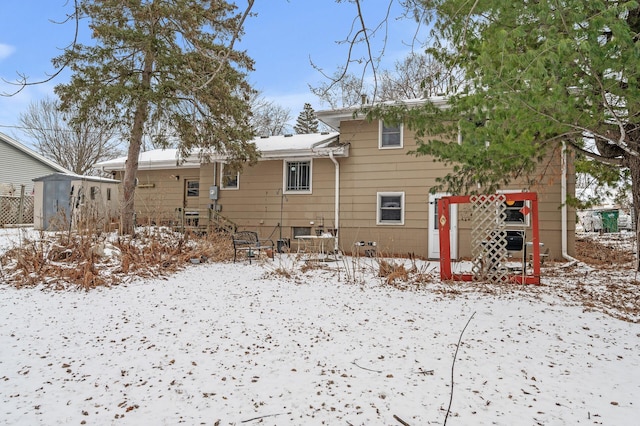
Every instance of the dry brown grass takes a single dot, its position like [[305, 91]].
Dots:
[[595, 253], [392, 271], [88, 260], [403, 277]]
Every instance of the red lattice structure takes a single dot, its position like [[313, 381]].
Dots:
[[529, 209]]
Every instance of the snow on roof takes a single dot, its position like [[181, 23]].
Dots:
[[286, 146], [149, 160], [74, 177], [272, 147]]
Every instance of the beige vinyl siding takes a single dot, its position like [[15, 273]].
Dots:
[[159, 194], [256, 204], [370, 170], [207, 176]]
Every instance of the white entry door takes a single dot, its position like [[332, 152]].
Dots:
[[434, 233]]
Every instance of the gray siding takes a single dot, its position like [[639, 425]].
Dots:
[[18, 168]]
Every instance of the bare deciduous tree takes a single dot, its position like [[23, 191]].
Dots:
[[342, 90], [414, 77], [76, 147], [417, 76], [366, 45], [269, 118]]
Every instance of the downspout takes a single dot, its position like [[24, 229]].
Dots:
[[563, 196], [336, 213]]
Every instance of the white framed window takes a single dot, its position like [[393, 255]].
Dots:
[[513, 214], [390, 137], [297, 176], [390, 208], [228, 178]]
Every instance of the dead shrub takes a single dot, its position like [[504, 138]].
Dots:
[[310, 266], [282, 272], [392, 271], [594, 252], [86, 260]]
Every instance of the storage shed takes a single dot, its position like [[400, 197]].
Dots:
[[62, 200]]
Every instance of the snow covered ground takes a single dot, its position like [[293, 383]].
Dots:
[[239, 344]]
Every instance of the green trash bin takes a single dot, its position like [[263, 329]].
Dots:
[[609, 220]]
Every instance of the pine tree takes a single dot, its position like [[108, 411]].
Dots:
[[163, 64], [307, 121]]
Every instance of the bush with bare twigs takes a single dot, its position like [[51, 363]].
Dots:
[[90, 259], [399, 275]]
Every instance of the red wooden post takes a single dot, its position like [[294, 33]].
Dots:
[[445, 245]]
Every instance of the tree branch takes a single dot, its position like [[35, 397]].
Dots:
[[225, 55], [594, 156], [453, 364], [23, 79], [263, 417]]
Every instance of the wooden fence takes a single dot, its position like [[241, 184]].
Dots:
[[16, 210]]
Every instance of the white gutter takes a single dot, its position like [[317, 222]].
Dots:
[[336, 213], [563, 196]]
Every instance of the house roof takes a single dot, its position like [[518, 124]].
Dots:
[[270, 148], [153, 160], [303, 145], [74, 177], [333, 117], [20, 147]]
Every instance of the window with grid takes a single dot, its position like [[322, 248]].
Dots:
[[390, 208], [298, 176], [390, 136]]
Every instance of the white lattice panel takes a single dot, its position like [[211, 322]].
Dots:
[[488, 242], [10, 210]]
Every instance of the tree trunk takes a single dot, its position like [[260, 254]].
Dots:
[[634, 169], [130, 172], [135, 143]]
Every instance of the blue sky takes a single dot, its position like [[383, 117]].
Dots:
[[282, 39]]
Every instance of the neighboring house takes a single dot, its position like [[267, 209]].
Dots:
[[361, 181], [63, 199], [19, 165]]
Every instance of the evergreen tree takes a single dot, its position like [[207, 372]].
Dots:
[[307, 121], [538, 75], [163, 64]]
